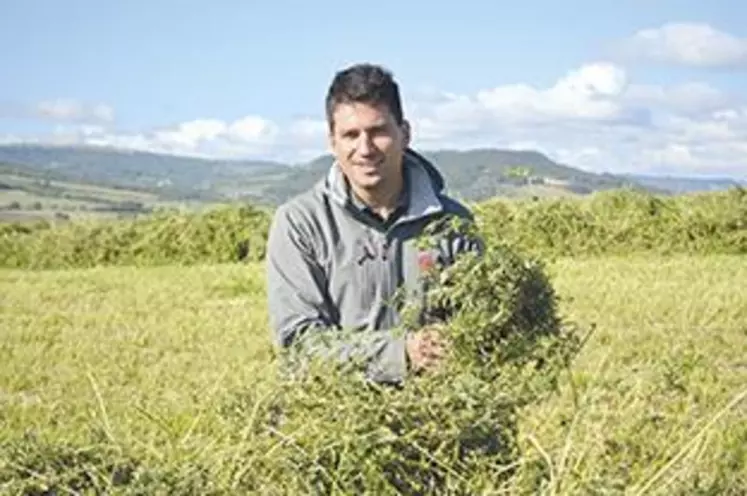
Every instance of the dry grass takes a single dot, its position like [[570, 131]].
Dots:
[[141, 360]]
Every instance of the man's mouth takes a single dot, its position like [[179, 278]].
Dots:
[[369, 165]]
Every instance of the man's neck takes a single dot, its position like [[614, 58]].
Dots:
[[382, 200]]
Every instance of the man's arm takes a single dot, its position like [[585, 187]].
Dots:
[[303, 317]]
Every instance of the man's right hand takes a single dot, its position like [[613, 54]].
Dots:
[[425, 349]]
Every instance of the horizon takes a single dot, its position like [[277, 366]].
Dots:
[[109, 148], [659, 90]]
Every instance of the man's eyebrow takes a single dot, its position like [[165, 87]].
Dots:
[[376, 126], [373, 127]]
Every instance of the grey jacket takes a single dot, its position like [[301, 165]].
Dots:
[[332, 271]]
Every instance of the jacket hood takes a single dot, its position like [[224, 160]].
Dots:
[[435, 176], [425, 186]]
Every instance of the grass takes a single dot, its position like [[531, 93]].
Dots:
[[619, 222], [666, 358], [142, 361]]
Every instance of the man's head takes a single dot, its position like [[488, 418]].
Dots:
[[367, 131]]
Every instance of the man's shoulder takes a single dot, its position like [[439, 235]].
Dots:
[[301, 207], [452, 206], [306, 201]]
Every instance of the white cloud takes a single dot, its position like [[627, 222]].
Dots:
[[594, 117], [586, 93], [590, 96], [308, 130], [691, 44], [73, 110], [247, 136], [188, 135], [102, 113], [693, 98], [253, 129]]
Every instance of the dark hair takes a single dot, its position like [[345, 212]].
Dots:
[[364, 83]]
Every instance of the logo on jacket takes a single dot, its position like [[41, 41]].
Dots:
[[426, 261], [368, 249]]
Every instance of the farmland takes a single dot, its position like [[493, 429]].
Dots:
[[136, 372], [28, 195]]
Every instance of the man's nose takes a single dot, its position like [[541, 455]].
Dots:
[[365, 144]]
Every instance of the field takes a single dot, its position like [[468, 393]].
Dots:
[[141, 361], [32, 197], [125, 378]]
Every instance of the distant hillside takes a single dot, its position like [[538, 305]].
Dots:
[[482, 173], [471, 175], [169, 174], [679, 185], [31, 194]]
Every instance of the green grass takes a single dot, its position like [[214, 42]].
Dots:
[[140, 363], [607, 223]]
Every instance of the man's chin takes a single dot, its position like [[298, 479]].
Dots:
[[369, 181]]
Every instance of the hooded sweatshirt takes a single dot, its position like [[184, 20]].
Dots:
[[333, 269]]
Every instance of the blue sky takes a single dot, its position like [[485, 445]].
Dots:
[[641, 85]]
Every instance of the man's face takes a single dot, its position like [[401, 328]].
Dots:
[[368, 144]]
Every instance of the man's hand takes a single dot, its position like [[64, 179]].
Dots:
[[425, 349]]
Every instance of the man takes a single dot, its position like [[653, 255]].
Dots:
[[337, 253]]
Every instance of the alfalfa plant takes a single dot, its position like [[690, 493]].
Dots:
[[329, 429], [501, 310]]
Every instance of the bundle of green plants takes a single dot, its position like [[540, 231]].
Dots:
[[328, 428]]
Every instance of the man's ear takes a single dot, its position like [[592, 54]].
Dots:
[[406, 133], [330, 138]]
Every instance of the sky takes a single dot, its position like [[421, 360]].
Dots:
[[647, 86]]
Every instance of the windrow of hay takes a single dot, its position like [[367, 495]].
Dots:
[[612, 222], [621, 222], [218, 235]]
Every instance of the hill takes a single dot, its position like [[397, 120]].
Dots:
[[472, 175], [479, 174], [680, 185], [170, 175], [31, 194]]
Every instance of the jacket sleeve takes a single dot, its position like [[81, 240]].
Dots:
[[302, 316], [463, 239]]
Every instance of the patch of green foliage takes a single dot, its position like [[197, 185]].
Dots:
[[620, 222], [218, 235], [610, 222]]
